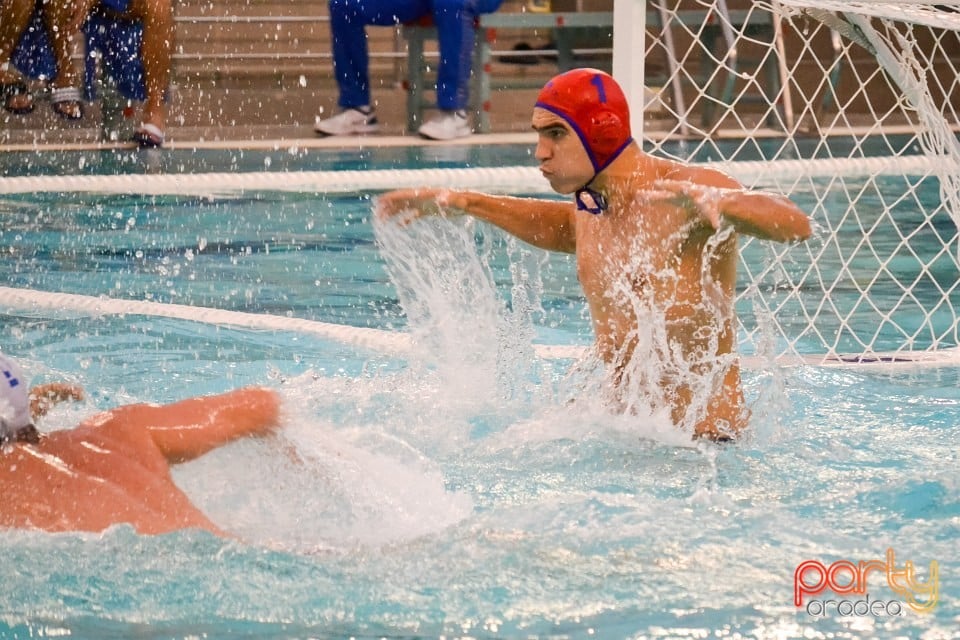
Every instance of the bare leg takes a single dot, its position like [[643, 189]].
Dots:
[[57, 15], [156, 53], [14, 18], [60, 16]]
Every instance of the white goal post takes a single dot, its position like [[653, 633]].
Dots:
[[849, 108]]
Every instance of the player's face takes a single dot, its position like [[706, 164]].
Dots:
[[563, 160]]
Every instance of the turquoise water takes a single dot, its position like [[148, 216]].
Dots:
[[467, 487]]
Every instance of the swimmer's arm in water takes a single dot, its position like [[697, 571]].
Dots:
[[44, 397], [187, 429], [547, 224], [763, 215]]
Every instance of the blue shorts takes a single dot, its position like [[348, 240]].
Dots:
[[119, 42], [120, 6], [114, 40], [33, 55]]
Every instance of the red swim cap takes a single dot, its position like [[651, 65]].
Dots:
[[593, 104]]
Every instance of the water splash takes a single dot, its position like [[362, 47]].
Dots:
[[479, 345], [336, 477], [664, 337]]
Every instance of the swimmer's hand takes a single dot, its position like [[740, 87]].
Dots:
[[407, 205], [44, 397]]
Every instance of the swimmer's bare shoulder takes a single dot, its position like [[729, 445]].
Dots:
[[706, 176]]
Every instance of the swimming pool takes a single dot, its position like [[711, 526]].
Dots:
[[449, 487]]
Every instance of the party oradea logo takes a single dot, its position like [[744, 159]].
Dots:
[[851, 583]]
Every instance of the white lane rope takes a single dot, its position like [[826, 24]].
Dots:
[[502, 178], [30, 300], [388, 342], [517, 179], [397, 343]]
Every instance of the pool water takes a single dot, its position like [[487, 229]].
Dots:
[[462, 487]]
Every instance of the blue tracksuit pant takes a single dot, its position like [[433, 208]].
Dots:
[[455, 25]]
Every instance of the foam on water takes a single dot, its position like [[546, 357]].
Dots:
[[324, 484]]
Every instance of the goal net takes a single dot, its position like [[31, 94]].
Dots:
[[850, 109]]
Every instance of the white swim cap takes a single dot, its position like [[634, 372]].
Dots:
[[14, 399]]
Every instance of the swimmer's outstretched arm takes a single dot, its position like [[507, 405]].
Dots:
[[763, 215], [187, 429], [547, 224]]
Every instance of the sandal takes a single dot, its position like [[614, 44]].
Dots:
[[13, 89], [66, 103], [148, 136]]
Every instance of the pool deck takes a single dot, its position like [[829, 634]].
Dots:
[[258, 111], [248, 114]]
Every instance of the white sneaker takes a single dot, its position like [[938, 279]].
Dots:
[[349, 122], [446, 125]]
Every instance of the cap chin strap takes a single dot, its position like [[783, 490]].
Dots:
[[590, 200]]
